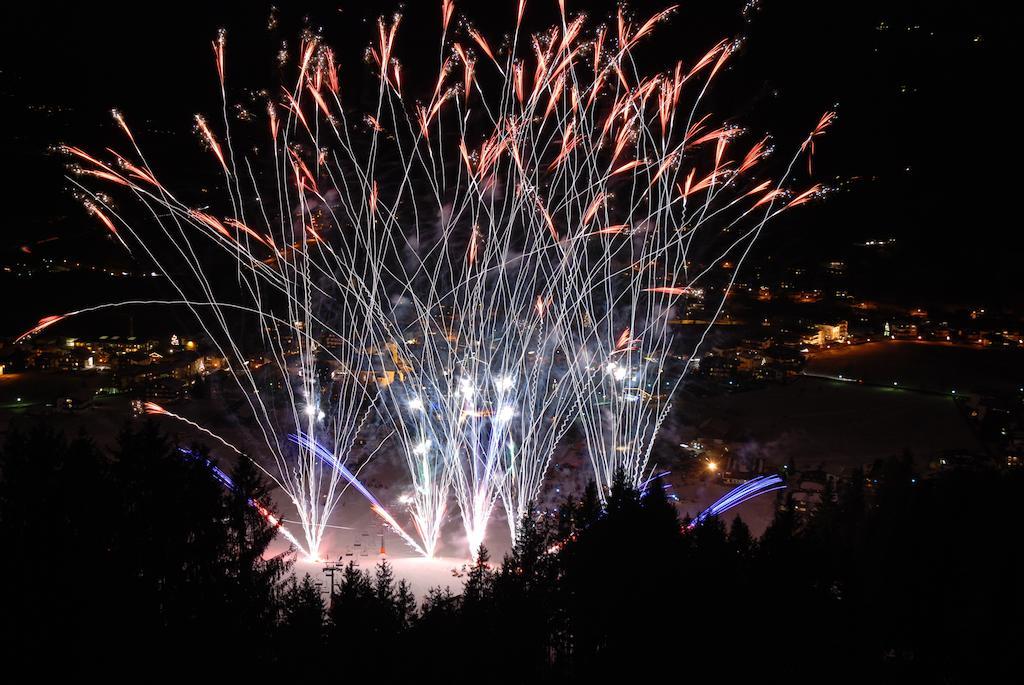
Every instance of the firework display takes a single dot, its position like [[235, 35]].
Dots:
[[460, 274]]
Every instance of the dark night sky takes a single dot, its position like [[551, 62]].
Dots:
[[923, 90]]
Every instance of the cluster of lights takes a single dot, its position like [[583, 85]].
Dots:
[[616, 371], [504, 413], [466, 389], [504, 383]]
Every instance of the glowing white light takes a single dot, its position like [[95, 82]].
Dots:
[[505, 413], [503, 383], [416, 404], [422, 448], [310, 410], [616, 371]]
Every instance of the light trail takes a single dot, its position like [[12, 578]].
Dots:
[[738, 495]]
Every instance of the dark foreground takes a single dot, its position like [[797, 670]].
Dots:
[[139, 561]]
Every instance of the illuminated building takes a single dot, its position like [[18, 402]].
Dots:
[[826, 333]]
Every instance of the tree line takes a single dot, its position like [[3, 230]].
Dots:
[[137, 558]]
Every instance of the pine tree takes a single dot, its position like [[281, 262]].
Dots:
[[439, 626], [405, 605], [622, 496], [781, 531], [477, 587], [255, 579], [659, 511], [739, 537], [590, 510], [385, 619], [354, 586], [437, 602], [355, 620], [302, 615], [567, 519], [821, 525], [528, 549], [384, 584], [170, 550]]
